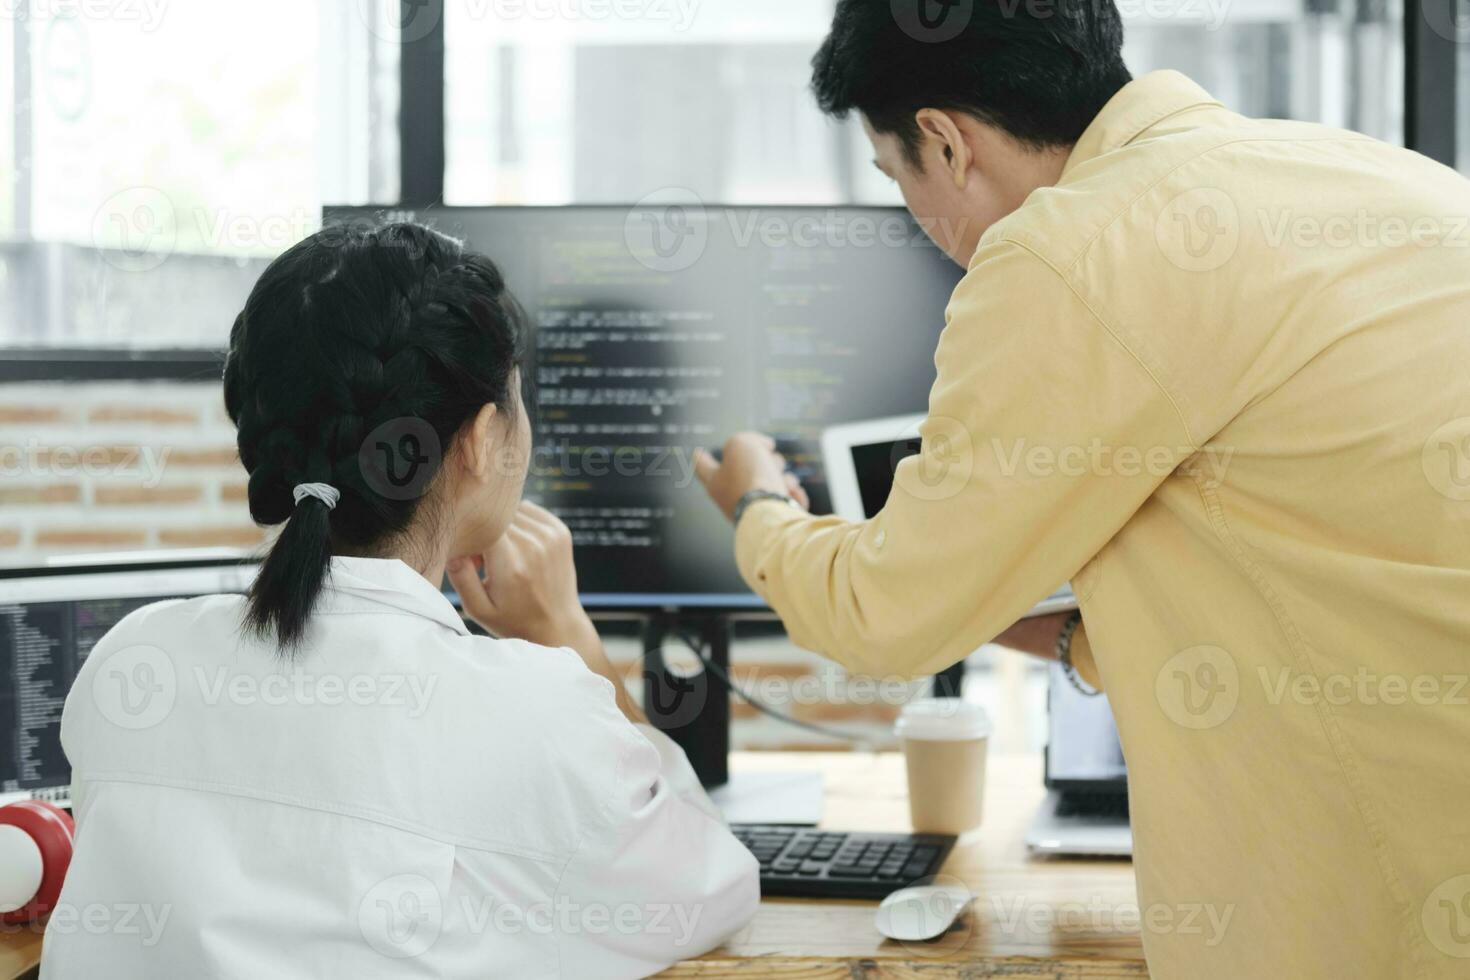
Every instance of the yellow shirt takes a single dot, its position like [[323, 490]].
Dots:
[[1219, 377]]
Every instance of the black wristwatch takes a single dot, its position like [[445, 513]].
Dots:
[[755, 495]]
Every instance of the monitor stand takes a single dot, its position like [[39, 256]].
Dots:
[[692, 707]]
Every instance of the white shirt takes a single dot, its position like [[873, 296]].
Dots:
[[406, 799]]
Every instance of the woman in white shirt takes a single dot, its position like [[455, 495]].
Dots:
[[332, 776]]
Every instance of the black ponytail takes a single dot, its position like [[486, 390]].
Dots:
[[350, 334]]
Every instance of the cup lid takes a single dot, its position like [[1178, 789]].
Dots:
[[942, 720]]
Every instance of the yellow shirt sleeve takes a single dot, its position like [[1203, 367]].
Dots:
[[1045, 434]]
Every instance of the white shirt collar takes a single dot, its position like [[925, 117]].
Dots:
[[388, 582]]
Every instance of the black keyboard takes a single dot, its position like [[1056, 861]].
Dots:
[[826, 864], [1076, 804]]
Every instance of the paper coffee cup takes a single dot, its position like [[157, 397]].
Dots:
[[944, 742]]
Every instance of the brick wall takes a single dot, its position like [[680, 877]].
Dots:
[[118, 466], [121, 466]]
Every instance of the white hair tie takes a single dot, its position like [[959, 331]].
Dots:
[[324, 492]]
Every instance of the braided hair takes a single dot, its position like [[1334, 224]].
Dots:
[[355, 331]]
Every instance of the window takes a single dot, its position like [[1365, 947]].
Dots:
[[550, 106], [7, 135], [155, 169], [557, 108], [1338, 62], [1462, 87], [165, 167]]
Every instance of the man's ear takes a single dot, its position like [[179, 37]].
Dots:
[[476, 437], [945, 141]]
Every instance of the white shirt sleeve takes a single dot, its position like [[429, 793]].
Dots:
[[662, 872]]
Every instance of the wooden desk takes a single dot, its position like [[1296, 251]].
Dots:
[[20, 952], [1031, 919]]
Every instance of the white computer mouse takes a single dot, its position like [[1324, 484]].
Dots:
[[922, 912]]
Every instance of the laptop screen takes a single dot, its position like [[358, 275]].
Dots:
[[1083, 751], [49, 621]]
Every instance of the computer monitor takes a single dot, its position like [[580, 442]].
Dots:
[[50, 619], [661, 328]]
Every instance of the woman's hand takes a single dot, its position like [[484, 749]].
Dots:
[[530, 586], [530, 592]]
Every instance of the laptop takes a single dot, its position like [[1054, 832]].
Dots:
[[50, 619], [1086, 807]]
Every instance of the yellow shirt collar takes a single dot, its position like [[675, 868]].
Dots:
[[1138, 106]]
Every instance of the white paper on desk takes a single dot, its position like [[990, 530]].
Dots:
[[771, 797]]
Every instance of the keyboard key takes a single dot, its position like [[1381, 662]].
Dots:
[[811, 868], [846, 871]]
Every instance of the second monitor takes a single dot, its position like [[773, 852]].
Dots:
[[662, 328]]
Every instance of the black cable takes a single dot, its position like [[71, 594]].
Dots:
[[698, 650]]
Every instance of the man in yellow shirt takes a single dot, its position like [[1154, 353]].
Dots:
[[1216, 372]]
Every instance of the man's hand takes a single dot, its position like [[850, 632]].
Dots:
[[748, 462]]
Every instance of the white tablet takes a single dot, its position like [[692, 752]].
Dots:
[[860, 459]]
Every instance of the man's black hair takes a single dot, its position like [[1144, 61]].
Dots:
[[1040, 70]]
